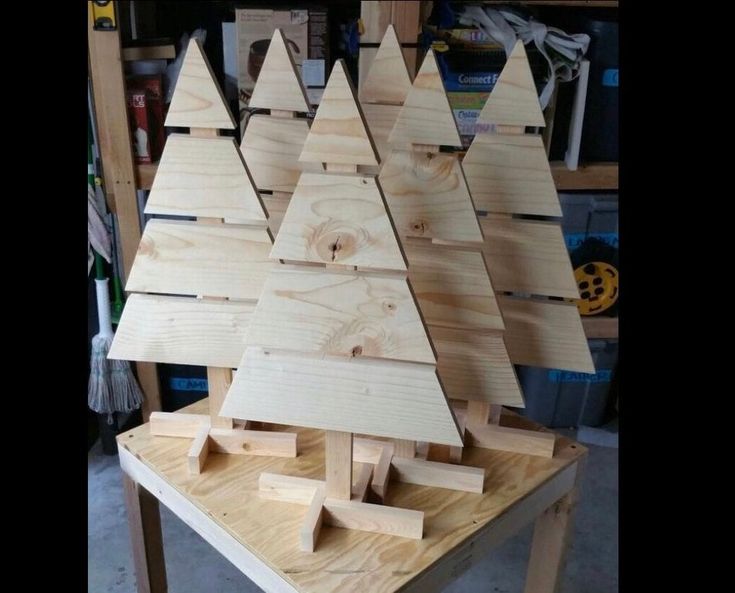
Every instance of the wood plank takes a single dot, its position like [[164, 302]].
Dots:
[[374, 518], [511, 174], [397, 400], [198, 101], [276, 206], [149, 52], [587, 176], [439, 475], [504, 438], [475, 366], [279, 85], [340, 219], [338, 133], [362, 481], [218, 382], [183, 257], [338, 464], [380, 120], [600, 327], [312, 525], [145, 173], [387, 81], [375, 16], [309, 310], [269, 443], [204, 177], [198, 452], [545, 334], [182, 330], [404, 448], [176, 424], [426, 117], [514, 100], [452, 287], [428, 196], [528, 256]]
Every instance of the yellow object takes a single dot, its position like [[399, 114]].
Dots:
[[103, 12], [598, 287]]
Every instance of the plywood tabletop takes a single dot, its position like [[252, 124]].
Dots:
[[345, 560]]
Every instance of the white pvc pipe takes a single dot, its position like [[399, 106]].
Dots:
[[103, 308]]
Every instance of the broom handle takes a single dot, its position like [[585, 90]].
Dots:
[[103, 307]]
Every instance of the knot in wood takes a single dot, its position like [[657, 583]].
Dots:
[[356, 351]]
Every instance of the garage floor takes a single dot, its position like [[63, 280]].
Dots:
[[193, 566]]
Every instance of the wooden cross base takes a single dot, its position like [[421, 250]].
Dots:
[[220, 440]]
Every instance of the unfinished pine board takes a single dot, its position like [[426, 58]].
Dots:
[[197, 101], [398, 400], [312, 522], [276, 206], [204, 177], [278, 85], [252, 442], [374, 518], [514, 100], [380, 120], [338, 464], [218, 382], [453, 287], [475, 366], [271, 147], [361, 482], [428, 196], [426, 117], [545, 334], [511, 174], [339, 219], [261, 536], [182, 330], [438, 475], [176, 424], [314, 311], [504, 438], [528, 256], [196, 258], [338, 133], [387, 80]]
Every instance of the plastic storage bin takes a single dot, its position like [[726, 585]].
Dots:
[[181, 385]]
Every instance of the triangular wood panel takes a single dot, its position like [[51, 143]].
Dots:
[[338, 133], [426, 116], [204, 177], [205, 259], [182, 330], [279, 85], [338, 219], [309, 310], [511, 174], [380, 120], [514, 100], [428, 196], [387, 81], [395, 400], [197, 101]]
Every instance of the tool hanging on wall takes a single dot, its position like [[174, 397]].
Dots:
[[103, 13]]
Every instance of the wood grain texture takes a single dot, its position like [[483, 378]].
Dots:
[[398, 400], [271, 147], [514, 100], [528, 256], [197, 101], [312, 522], [452, 287], [338, 133], [428, 196], [439, 475], [545, 334], [313, 311], [374, 518], [339, 219], [182, 330], [511, 174], [475, 366], [380, 120], [279, 85], [204, 177], [426, 117], [338, 464], [196, 258], [387, 80], [219, 380], [198, 452], [176, 424], [276, 206], [505, 438]]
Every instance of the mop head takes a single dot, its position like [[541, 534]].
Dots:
[[99, 391], [126, 394]]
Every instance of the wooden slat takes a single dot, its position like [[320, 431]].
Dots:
[[475, 366], [182, 330], [338, 464], [278, 85], [361, 482], [218, 382], [313, 311], [153, 52], [453, 287], [511, 174], [397, 400], [514, 100], [204, 177], [176, 424], [271, 147], [545, 334], [312, 525], [338, 133], [528, 256], [587, 176], [426, 117], [276, 206], [598, 327], [387, 81], [428, 196], [504, 438], [188, 258], [198, 451], [197, 101], [380, 120], [375, 518], [339, 219], [270, 443]]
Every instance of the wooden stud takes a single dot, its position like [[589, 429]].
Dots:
[[362, 482], [495, 413], [381, 474], [269, 443], [387, 80], [281, 113], [338, 464], [405, 449], [173, 424], [198, 452], [312, 525], [504, 438], [218, 381], [374, 518], [439, 475], [478, 413], [455, 453]]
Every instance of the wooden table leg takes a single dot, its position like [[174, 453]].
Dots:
[[144, 521]]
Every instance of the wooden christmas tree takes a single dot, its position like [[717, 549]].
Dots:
[[337, 341], [217, 269], [509, 175]]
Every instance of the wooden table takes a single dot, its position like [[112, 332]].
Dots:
[[260, 537]]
